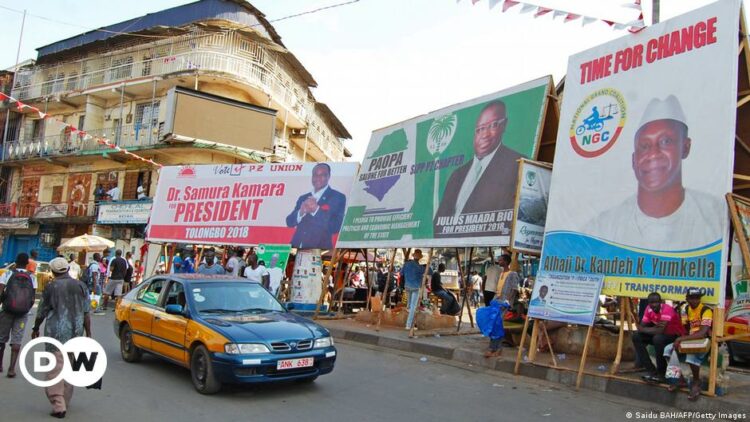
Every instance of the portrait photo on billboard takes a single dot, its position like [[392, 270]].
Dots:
[[644, 157], [317, 214], [447, 178]]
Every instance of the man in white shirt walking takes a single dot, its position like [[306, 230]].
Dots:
[[74, 270]]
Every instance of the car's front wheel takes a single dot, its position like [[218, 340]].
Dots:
[[129, 351], [202, 372]]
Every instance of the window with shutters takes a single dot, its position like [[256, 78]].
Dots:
[[131, 186], [147, 114], [57, 192], [28, 198], [121, 68]]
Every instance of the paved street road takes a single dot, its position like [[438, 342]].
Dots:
[[368, 384]]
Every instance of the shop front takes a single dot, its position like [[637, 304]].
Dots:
[[124, 222]]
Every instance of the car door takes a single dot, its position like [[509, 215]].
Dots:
[[168, 331], [142, 312]]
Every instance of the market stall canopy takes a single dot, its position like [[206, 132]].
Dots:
[[87, 242]]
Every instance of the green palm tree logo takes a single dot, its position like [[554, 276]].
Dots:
[[439, 137]]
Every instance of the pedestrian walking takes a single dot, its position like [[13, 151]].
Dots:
[[64, 309], [234, 264], [138, 272], [92, 276], [74, 269], [31, 266], [118, 269], [188, 264], [412, 272], [17, 289], [210, 267], [128, 284]]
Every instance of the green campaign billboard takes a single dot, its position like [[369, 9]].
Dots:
[[447, 178]]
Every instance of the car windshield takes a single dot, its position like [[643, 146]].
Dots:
[[232, 297]]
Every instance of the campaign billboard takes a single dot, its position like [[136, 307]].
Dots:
[[644, 157], [447, 178], [530, 212], [301, 204]]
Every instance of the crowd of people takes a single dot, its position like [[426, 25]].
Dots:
[[667, 327], [64, 309], [237, 262], [662, 325]]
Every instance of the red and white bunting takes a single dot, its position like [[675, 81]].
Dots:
[[539, 11], [526, 8], [74, 130], [508, 4]]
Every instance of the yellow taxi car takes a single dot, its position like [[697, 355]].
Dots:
[[224, 329], [43, 273], [739, 349]]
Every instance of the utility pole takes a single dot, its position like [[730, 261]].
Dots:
[[7, 113], [655, 11]]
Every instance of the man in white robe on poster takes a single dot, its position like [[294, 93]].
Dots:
[[663, 215]]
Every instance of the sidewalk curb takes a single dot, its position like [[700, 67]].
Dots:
[[646, 393]]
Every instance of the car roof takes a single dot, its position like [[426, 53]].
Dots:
[[204, 277]]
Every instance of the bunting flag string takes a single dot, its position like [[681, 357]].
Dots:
[[74, 130], [632, 26]]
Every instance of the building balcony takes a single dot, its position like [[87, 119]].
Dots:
[[74, 79], [49, 212], [65, 144], [8, 210], [319, 147]]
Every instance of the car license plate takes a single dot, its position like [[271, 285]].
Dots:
[[295, 363]]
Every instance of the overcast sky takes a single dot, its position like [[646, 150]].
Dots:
[[377, 62]]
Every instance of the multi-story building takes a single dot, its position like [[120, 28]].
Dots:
[[207, 82]]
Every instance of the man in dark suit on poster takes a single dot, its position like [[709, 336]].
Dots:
[[318, 215], [488, 182]]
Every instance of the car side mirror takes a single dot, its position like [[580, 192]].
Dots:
[[289, 306], [174, 310]]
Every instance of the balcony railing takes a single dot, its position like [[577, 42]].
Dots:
[[292, 97], [7, 210], [334, 150], [68, 144], [46, 210]]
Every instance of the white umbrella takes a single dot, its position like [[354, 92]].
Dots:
[[87, 243]]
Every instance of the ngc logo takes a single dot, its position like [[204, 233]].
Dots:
[[598, 122], [84, 361]]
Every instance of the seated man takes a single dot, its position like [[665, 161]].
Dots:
[[698, 319], [436, 286], [660, 326]]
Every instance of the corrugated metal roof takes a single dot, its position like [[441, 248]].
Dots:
[[238, 11]]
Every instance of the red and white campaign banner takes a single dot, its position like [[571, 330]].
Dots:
[[301, 204]]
